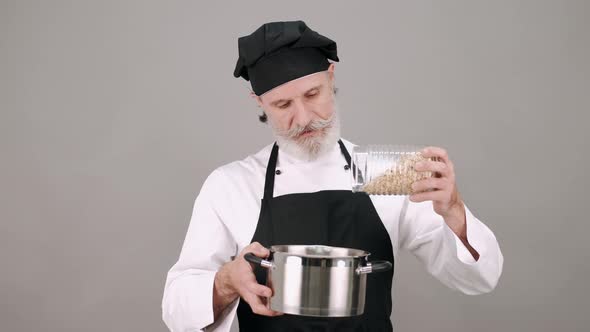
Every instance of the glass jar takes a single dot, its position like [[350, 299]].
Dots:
[[386, 169]]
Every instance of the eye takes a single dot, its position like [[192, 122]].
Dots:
[[312, 94], [284, 105]]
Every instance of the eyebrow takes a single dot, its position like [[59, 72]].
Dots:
[[277, 102]]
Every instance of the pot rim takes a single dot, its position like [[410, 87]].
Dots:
[[299, 251]]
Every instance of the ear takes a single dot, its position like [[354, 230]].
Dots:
[[256, 98], [331, 69], [331, 72]]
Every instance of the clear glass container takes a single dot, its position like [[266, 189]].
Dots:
[[386, 169]]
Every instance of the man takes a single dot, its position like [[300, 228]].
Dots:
[[304, 182]]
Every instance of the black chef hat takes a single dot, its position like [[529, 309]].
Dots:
[[279, 52]]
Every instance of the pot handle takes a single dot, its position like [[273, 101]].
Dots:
[[250, 257], [375, 266]]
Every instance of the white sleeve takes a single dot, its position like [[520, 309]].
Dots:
[[187, 303], [424, 233]]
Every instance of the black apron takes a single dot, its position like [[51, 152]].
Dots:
[[337, 218]]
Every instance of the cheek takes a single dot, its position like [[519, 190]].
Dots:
[[325, 111], [281, 121]]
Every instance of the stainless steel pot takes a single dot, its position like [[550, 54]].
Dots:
[[314, 280]]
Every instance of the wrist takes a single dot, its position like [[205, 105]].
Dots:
[[222, 283], [456, 220]]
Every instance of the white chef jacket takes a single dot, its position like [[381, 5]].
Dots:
[[226, 212]]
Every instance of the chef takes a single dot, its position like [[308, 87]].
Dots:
[[297, 190]]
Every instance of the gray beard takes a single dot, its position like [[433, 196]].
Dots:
[[310, 148]]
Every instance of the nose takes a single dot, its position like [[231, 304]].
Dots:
[[303, 114]]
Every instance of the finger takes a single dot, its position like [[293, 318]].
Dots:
[[259, 289], [257, 249], [432, 166], [437, 195], [434, 152], [258, 307], [430, 184], [246, 270], [439, 154]]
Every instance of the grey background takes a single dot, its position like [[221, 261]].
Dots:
[[114, 112]]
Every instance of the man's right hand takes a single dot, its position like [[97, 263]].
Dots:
[[236, 279]]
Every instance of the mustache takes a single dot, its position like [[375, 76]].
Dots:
[[311, 126]]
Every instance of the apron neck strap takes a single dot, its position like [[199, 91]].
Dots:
[[269, 181], [344, 152]]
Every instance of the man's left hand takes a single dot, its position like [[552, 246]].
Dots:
[[441, 189]]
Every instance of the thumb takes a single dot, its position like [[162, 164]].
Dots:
[[258, 249]]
